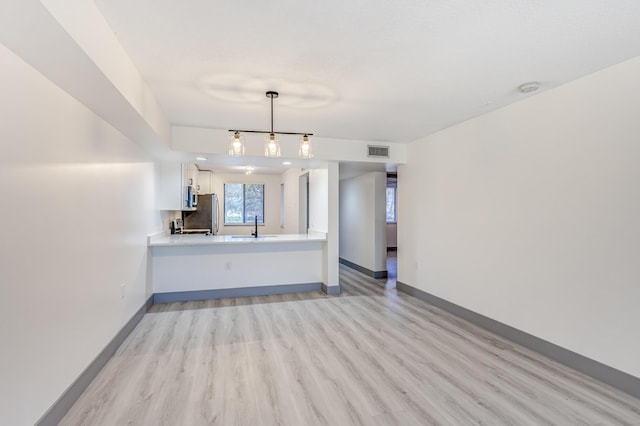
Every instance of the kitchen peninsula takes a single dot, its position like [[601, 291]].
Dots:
[[197, 267]]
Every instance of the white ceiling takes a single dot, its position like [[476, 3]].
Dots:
[[381, 70], [259, 165]]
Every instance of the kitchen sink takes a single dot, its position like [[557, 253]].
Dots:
[[249, 237]]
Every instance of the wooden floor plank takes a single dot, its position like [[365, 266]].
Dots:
[[370, 356]]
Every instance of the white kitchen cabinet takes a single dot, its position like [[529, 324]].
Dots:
[[205, 180], [173, 182], [190, 175]]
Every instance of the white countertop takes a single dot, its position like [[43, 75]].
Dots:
[[199, 239]]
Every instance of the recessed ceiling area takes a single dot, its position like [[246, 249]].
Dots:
[[261, 165], [350, 169], [375, 70], [272, 166]]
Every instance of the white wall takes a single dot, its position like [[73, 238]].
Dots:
[[324, 217], [332, 247], [303, 207], [271, 202], [318, 200], [167, 216], [392, 235], [77, 207], [83, 21], [530, 215], [363, 220], [291, 200]]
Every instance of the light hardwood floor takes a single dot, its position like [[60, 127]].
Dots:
[[370, 356]]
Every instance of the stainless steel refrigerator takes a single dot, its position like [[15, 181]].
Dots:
[[206, 216]]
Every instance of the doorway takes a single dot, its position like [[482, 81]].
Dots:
[[303, 203], [392, 228]]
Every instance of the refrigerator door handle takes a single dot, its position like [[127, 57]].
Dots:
[[217, 217]]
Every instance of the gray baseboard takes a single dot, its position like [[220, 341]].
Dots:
[[609, 375], [333, 290], [58, 410], [186, 296], [368, 272]]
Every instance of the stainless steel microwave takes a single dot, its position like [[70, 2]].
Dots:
[[192, 197]]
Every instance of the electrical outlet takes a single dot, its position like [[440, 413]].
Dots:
[[122, 288], [227, 266]]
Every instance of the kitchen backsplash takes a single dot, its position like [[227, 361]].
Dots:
[[167, 216]]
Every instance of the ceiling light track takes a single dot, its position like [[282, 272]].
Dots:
[[266, 132], [272, 145]]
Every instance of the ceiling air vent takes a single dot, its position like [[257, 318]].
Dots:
[[377, 151]]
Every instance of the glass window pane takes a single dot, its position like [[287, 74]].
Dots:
[[233, 202], [243, 202], [254, 202], [391, 204]]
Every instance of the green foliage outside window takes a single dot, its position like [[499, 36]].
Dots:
[[243, 202]]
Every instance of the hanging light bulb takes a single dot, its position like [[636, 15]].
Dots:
[[272, 147], [305, 150], [236, 146]]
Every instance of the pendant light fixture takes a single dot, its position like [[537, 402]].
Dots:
[[305, 150], [272, 144], [272, 147], [236, 146]]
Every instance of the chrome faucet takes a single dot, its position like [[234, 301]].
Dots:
[[255, 233]]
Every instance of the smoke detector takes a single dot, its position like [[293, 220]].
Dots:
[[529, 87]]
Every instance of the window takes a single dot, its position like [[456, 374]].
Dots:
[[392, 198], [243, 202]]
